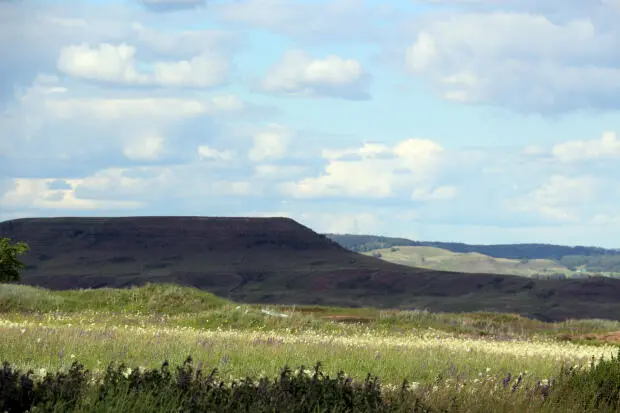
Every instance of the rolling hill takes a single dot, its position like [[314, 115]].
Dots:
[[364, 243], [279, 261], [469, 262]]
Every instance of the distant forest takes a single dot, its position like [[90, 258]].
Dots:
[[592, 259]]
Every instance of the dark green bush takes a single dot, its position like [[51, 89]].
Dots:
[[595, 389], [19, 393], [190, 391]]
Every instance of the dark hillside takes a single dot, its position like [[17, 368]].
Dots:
[[363, 243], [277, 260]]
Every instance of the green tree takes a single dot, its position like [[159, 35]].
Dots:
[[9, 263]]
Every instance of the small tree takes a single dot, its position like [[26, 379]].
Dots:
[[9, 264]]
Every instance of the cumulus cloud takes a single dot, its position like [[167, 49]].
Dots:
[[95, 129], [270, 144], [560, 197], [205, 152], [528, 62], [37, 193], [367, 150], [608, 146], [298, 74], [117, 64], [148, 147], [33, 34], [411, 163]]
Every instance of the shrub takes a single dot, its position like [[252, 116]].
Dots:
[[597, 387]]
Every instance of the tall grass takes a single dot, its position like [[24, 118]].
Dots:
[[456, 361]]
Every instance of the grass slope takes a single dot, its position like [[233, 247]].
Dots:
[[449, 357], [472, 262]]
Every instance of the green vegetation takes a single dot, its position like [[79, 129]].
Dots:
[[595, 263], [9, 262], [472, 262], [151, 298], [122, 388], [455, 362]]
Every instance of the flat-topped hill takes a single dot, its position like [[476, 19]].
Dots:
[[277, 260]]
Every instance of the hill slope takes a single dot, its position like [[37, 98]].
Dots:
[[363, 243], [276, 260], [470, 262]]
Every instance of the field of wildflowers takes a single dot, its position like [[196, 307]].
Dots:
[[449, 360]]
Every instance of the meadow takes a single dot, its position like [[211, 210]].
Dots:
[[457, 362]]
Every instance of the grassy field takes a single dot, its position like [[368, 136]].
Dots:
[[473, 262], [442, 354]]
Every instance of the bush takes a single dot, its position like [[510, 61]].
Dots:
[[596, 388], [125, 389], [20, 393]]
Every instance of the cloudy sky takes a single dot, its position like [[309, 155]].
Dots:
[[485, 121]]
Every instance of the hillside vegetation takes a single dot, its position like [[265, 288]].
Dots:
[[277, 261], [364, 243], [99, 350], [471, 262]]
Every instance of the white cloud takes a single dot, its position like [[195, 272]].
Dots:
[[113, 109], [528, 62], [298, 74], [156, 109], [608, 146], [147, 148], [560, 197], [35, 193], [205, 152], [270, 144], [89, 124], [412, 162], [117, 64], [235, 188], [422, 53], [119, 183], [368, 150]]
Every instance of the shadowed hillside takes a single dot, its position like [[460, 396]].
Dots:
[[364, 243], [277, 260]]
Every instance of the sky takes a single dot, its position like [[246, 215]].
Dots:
[[479, 121]]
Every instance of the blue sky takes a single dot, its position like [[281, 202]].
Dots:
[[455, 120]]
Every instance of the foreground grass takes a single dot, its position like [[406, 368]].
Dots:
[[189, 390], [146, 326]]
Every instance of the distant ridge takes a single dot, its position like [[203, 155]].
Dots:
[[277, 260], [364, 243]]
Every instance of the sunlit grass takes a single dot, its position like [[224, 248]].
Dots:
[[53, 341], [440, 353]]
